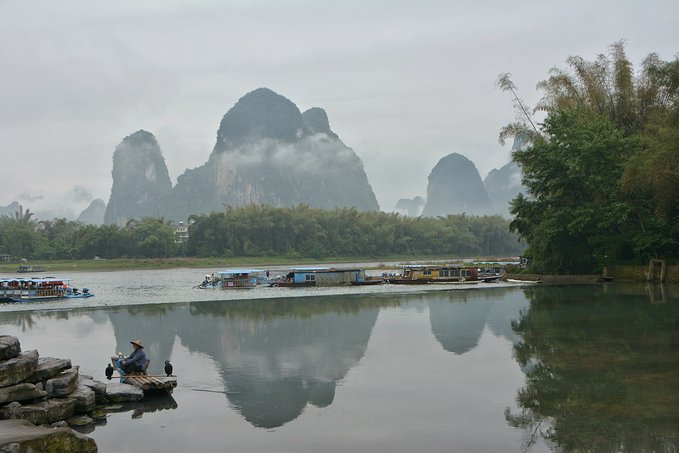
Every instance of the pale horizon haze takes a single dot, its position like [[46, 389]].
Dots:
[[403, 83]]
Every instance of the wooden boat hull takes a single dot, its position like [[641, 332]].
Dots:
[[38, 299], [367, 283], [407, 281]]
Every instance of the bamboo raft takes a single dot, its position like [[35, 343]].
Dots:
[[151, 383], [147, 382]]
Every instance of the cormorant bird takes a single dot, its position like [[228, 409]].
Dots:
[[168, 368], [109, 372]]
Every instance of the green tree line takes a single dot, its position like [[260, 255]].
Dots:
[[602, 170], [261, 230], [59, 239]]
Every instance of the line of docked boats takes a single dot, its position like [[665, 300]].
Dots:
[[20, 289], [329, 276]]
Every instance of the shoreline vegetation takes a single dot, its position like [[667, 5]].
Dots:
[[96, 265]]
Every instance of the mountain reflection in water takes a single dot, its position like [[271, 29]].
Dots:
[[591, 368], [274, 356]]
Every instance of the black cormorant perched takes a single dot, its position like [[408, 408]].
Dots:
[[168, 368], [109, 372]]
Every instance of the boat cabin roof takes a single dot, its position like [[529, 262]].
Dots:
[[324, 269], [35, 280], [239, 271], [436, 266]]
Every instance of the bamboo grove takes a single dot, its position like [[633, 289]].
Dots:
[[602, 169], [261, 230]]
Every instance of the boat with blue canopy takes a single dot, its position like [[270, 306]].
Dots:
[[18, 289]]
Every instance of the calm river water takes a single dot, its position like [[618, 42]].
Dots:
[[489, 368]]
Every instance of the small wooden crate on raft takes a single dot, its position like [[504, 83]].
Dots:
[[145, 381]]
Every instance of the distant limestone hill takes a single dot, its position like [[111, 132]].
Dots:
[[455, 187], [10, 209], [141, 181], [268, 152], [94, 213], [410, 207], [504, 184]]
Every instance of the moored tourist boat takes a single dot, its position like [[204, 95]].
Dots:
[[234, 279], [321, 276], [36, 289], [25, 269], [426, 274]]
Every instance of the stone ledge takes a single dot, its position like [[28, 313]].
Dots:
[[62, 384], [18, 369], [20, 392], [9, 347], [22, 436], [48, 367], [49, 411], [123, 393]]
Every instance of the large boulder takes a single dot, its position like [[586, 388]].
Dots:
[[85, 399], [18, 369], [99, 388], [9, 347], [49, 367], [63, 383], [20, 392], [49, 411], [123, 393], [22, 436]]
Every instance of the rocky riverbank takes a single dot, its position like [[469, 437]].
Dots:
[[43, 398]]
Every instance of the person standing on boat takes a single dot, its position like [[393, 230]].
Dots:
[[135, 362]]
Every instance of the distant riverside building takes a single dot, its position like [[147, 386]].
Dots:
[[181, 233], [4, 257]]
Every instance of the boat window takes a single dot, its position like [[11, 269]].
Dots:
[[445, 273], [310, 277], [427, 272]]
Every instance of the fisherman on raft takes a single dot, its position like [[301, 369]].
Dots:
[[135, 362]]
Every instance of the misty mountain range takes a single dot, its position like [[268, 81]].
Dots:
[[269, 152]]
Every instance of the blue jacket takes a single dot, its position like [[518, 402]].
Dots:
[[138, 357]]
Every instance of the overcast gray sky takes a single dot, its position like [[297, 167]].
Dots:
[[404, 83]]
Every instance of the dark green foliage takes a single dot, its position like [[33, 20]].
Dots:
[[306, 232], [261, 230], [575, 219], [60, 239], [601, 173]]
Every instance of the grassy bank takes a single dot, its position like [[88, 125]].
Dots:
[[169, 263]]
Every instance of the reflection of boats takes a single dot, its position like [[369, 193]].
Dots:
[[425, 274], [322, 276], [234, 278], [37, 289], [25, 269]]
